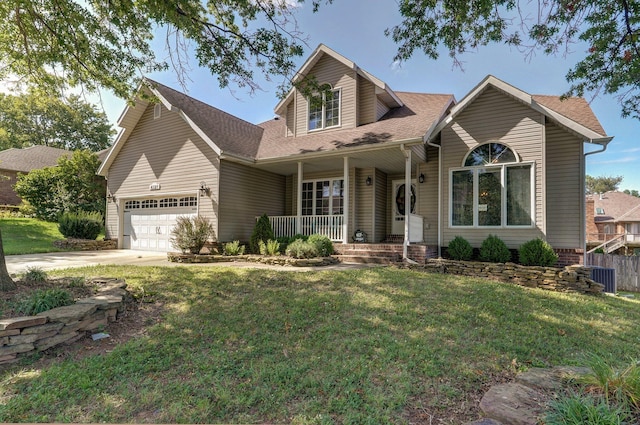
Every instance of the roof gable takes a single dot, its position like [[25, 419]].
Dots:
[[382, 89], [573, 114], [616, 207]]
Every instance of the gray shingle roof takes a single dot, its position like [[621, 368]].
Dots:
[[574, 108], [617, 206], [31, 158]]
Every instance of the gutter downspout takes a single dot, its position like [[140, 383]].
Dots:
[[439, 195], [604, 143]]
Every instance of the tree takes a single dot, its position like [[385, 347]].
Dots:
[[633, 192], [70, 123], [71, 186], [108, 44], [610, 29], [6, 283], [602, 184]]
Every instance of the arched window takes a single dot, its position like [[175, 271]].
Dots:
[[492, 189]]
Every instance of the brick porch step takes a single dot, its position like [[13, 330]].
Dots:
[[368, 259]]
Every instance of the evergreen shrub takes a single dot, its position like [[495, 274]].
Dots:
[[323, 244], [301, 249], [80, 225], [262, 231], [494, 250], [460, 249], [537, 252]]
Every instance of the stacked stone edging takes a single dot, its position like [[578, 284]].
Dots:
[[277, 260], [85, 244], [62, 325], [573, 278]]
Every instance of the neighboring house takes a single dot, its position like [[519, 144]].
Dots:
[[21, 161], [613, 221], [413, 168]]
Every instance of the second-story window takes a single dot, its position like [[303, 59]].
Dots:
[[324, 110]]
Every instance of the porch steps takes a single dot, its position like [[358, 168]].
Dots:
[[383, 253]]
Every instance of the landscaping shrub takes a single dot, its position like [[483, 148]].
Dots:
[[493, 249], [323, 244], [537, 252], [301, 249], [43, 300], [262, 231], [271, 247], [460, 249], [80, 225], [233, 248], [586, 409], [190, 234], [35, 275]]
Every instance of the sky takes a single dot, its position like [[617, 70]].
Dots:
[[355, 29]]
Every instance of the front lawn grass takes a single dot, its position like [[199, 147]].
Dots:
[[28, 235], [361, 346]]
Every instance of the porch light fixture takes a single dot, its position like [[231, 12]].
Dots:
[[111, 198], [368, 181], [421, 178], [204, 189]]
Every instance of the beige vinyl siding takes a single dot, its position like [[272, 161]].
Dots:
[[366, 102], [494, 116], [364, 197], [291, 119], [381, 109], [329, 70], [247, 193], [172, 147], [428, 196], [564, 188], [381, 204]]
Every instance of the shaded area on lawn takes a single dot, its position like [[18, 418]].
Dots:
[[361, 346]]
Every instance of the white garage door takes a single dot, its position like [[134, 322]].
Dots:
[[148, 222]]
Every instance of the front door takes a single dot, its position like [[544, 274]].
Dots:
[[398, 205]]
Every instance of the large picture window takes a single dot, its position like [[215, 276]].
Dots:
[[324, 110], [493, 189], [323, 197]]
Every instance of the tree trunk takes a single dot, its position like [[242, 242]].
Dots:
[[6, 283]]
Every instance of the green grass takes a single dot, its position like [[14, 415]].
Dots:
[[361, 346], [28, 235]]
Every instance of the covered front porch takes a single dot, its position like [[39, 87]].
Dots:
[[365, 195]]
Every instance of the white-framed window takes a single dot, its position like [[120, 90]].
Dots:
[[492, 189], [324, 110], [323, 197], [149, 203], [189, 201], [131, 205], [168, 202]]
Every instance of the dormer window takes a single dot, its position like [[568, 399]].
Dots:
[[600, 211], [324, 110]]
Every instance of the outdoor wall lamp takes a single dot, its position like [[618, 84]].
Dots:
[[421, 178], [368, 181], [204, 189], [111, 198]]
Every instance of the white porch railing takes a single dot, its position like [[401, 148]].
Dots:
[[327, 225]]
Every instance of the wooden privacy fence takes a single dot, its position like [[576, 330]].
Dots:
[[627, 269]]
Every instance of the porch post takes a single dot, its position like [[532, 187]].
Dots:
[[345, 198], [299, 201], [407, 201]]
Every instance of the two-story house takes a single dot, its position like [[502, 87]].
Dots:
[[415, 169]]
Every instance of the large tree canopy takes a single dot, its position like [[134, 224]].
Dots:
[[602, 184], [37, 119], [610, 30], [108, 44]]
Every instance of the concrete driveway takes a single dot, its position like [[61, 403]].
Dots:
[[62, 260]]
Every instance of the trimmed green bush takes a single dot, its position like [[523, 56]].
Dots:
[[233, 248], [190, 234], [323, 244], [494, 250], [301, 249], [81, 225], [271, 247], [460, 249], [43, 300], [537, 252], [262, 231]]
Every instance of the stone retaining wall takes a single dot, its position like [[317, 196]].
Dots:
[[574, 278], [278, 260], [62, 325], [85, 244]]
